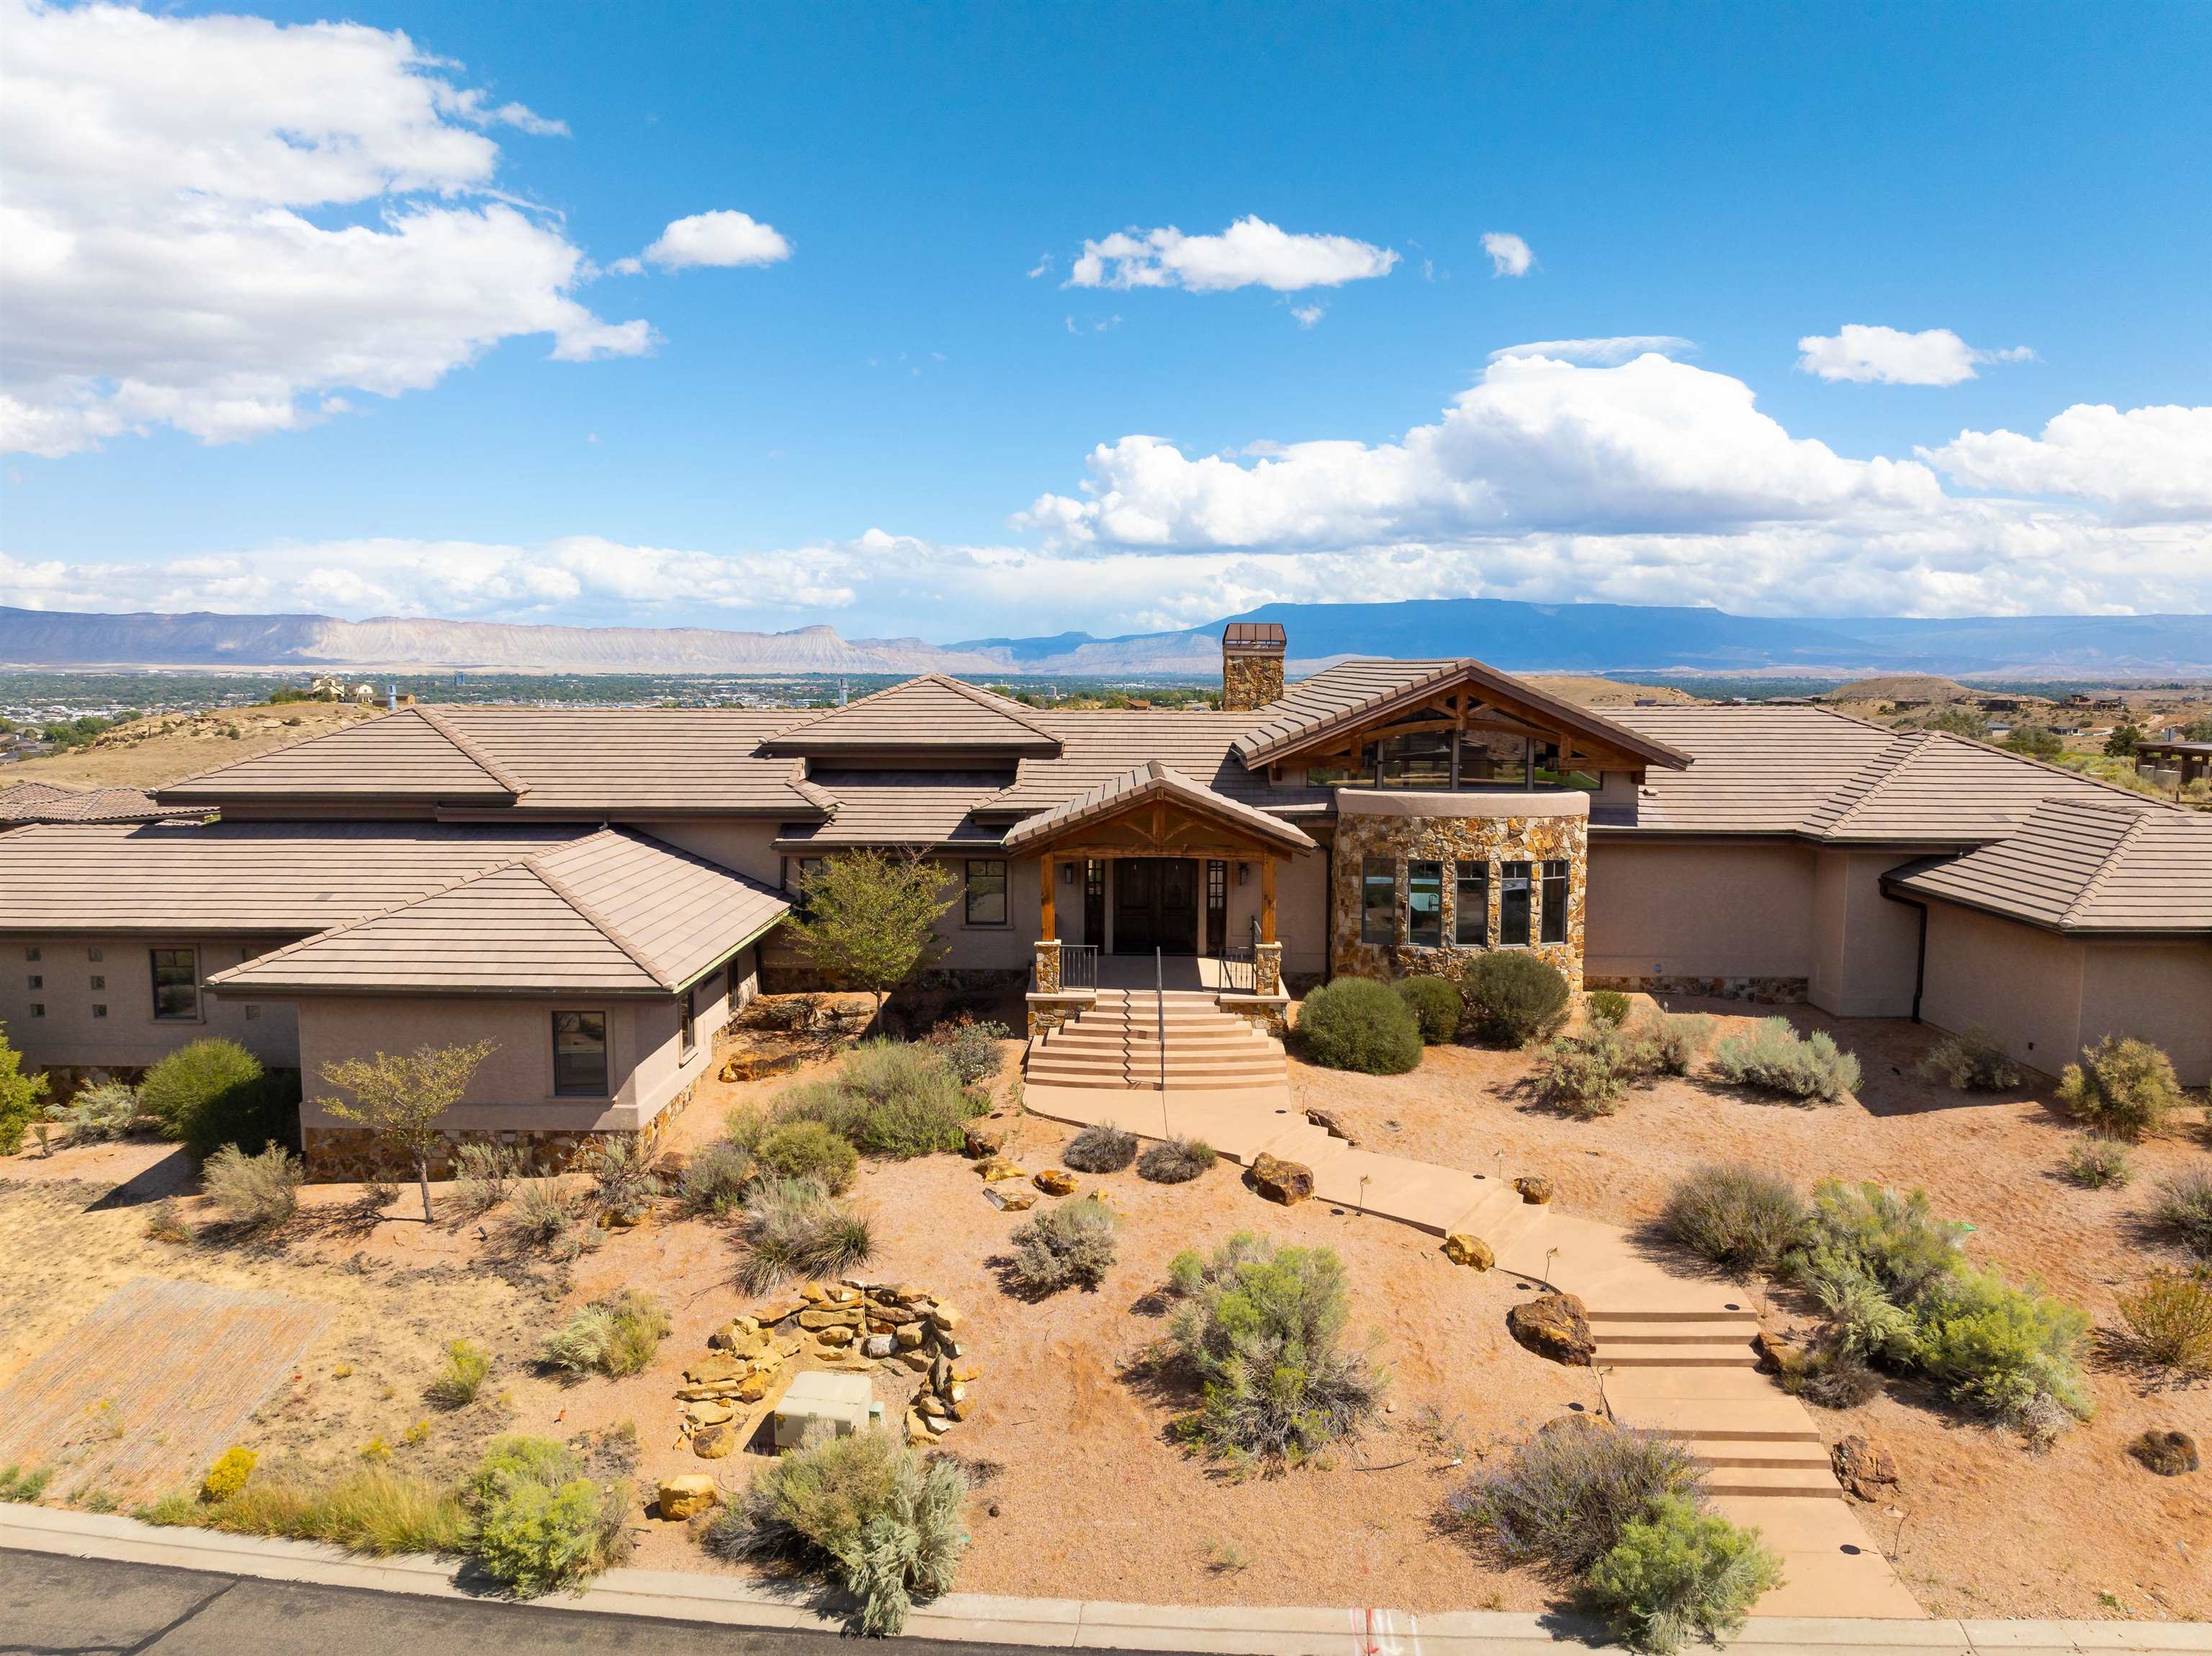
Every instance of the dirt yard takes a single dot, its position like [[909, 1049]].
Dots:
[[147, 753], [1087, 1470]]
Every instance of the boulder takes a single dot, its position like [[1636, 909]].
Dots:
[[984, 1140], [714, 1412], [930, 1404], [1010, 1198], [910, 1337], [1535, 1188], [1287, 1182], [1331, 1123], [687, 1494], [720, 1366], [1055, 1181], [826, 1317], [2169, 1454], [713, 1442], [768, 1315], [813, 1293], [1862, 1468], [891, 1316], [998, 1167], [917, 1430], [1777, 1355], [835, 1339], [1462, 1249], [754, 1387], [917, 1361], [945, 1317], [879, 1345], [1553, 1326]]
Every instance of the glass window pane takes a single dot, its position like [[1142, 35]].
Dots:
[[1554, 923], [176, 983], [1513, 904], [1471, 929], [580, 1054], [1424, 905], [1422, 760], [687, 1041], [1378, 899], [986, 891], [1493, 758]]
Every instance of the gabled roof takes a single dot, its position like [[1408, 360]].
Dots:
[[2094, 865], [614, 913], [1356, 692], [411, 755], [930, 712], [1097, 745], [1152, 780], [899, 808]]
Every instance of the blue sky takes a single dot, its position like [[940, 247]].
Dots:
[[212, 412]]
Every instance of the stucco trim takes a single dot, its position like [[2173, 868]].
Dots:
[[1475, 803]]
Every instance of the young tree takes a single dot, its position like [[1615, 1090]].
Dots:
[[870, 918], [1957, 721], [399, 1097], [2122, 742], [19, 1097]]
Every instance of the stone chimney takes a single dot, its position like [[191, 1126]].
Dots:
[[1251, 664]]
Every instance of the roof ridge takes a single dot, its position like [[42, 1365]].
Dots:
[[2104, 865], [613, 933], [820, 797], [997, 704], [1886, 765], [289, 747], [483, 761]]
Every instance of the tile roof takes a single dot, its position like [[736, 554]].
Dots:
[[899, 808], [932, 711], [615, 912], [48, 801], [2076, 865], [411, 755], [1153, 779], [1098, 746]]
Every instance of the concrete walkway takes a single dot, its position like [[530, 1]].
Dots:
[[1673, 1351]]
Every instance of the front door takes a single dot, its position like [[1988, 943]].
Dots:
[[1155, 905]]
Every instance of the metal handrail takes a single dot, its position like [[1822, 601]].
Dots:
[[1078, 966], [1160, 1009]]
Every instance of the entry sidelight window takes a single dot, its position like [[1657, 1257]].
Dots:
[[986, 891], [176, 984], [1470, 927], [1513, 904], [1378, 899], [1553, 922], [1424, 905], [580, 1054]]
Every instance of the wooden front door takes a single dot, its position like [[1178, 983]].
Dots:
[[1156, 905]]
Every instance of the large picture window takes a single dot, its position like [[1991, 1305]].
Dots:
[[1493, 758], [176, 984], [1424, 905], [1513, 904], [986, 891], [1471, 924], [1552, 923], [580, 1054], [1378, 899], [1421, 760]]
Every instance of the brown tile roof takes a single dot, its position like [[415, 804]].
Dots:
[[411, 755], [929, 711], [1153, 779], [2078, 865], [899, 808], [48, 801], [1098, 746], [615, 913]]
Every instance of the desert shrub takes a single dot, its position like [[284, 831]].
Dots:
[[887, 1098], [538, 1522], [620, 1167], [2096, 1163], [486, 1174], [1676, 1570], [1669, 1043], [2170, 1316], [253, 1191], [228, 1476], [714, 1180], [971, 1047], [371, 1509], [791, 1229], [1830, 1379], [1869, 1231], [18, 1485], [166, 1223], [1971, 1062], [101, 1112], [1260, 1327], [1175, 1161], [467, 1365], [1588, 1075], [2124, 1088], [1735, 1216], [1072, 1243], [808, 1150], [1436, 1005], [2183, 1210], [616, 1335], [865, 1511], [2000, 1348], [543, 1216], [1773, 1058], [1103, 1149], [1514, 999], [213, 1093], [1608, 1007], [1357, 1023], [184, 1083], [1565, 1497]]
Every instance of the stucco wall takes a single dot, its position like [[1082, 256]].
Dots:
[[1867, 945], [130, 1037], [2159, 993], [741, 843], [1732, 915]]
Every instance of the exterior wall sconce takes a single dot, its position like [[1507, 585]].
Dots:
[[1067, 874], [1243, 873]]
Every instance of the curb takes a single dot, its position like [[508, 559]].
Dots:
[[1062, 1623]]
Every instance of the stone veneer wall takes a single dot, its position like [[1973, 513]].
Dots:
[[1250, 681], [1766, 992], [1449, 840], [352, 1156]]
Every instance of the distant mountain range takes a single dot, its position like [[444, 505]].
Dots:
[[1582, 638]]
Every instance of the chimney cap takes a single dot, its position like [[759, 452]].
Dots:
[[1254, 635]]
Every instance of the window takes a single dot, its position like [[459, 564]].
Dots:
[[1424, 905], [176, 984], [688, 1036], [986, 891], [253, 1011], [580, 1054], [1553, 915], [30, 954], [1547, 773], [1513, 904], [1493, 758], [37, 1009], [98, 982], [1378, 899], [1471, 929], [39, 982], [99, 1009], [796, 871], [1422, 760], [95, 954]]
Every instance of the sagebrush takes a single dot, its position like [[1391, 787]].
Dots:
[[808, 1150], [793, 1227], [101, 1112], [1105, 1148], [1677, 1571], [1564, 1497], [2182, 1210], [2170, 1316], [715, 1180], [1587, 1075], [1737, 1218], [1971, 1061], [254, 1191], [2123, 1088], [2097, 1163], [614, 1335], [1175, 1161], [887, 1098], [974, 1047], [1071, 1245], [1771, 1057]]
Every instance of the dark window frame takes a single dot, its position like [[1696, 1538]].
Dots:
[[969, 892], [605, 1088], [687, 1026], [1507, 914], [1478, 882], [189, 960], [1418, 934], [1552, 919], [1374, 871]]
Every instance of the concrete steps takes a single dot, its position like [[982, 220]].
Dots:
[[1128, 1041]]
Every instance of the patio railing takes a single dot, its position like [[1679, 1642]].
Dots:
[[1079, 967], [1238, 971]]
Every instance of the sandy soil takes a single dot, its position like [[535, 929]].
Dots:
[[149, 752]]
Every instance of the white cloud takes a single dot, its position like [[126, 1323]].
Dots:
[[1510, 256], [1250, 252], [1617, 348], [213, 223], [1867, 355], [1307, 315], [1043, 267], [719, 239], [2148, 463]]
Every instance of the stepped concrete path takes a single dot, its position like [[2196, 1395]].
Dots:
[[1674, 1352]]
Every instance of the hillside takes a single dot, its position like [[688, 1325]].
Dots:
[[147, 753]]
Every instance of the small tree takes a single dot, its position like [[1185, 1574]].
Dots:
[[19, 1097], [399, 1097], [869, 919], [2121, 743]]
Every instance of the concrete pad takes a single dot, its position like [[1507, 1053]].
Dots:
[[1776, 1418], [1692, 1385]]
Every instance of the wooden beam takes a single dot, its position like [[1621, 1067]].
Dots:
[[1267, 899], [1048, 926]]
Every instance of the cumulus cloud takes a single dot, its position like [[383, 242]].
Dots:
[[1307, 315], [1617, 348], [215, 223], [722, 238], [1510, 256], [1886, 356], [1251, 252], [2148, 463]]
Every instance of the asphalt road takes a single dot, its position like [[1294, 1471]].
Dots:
[[55, 1607]]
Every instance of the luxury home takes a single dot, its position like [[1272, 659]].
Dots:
[[595, 890]]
